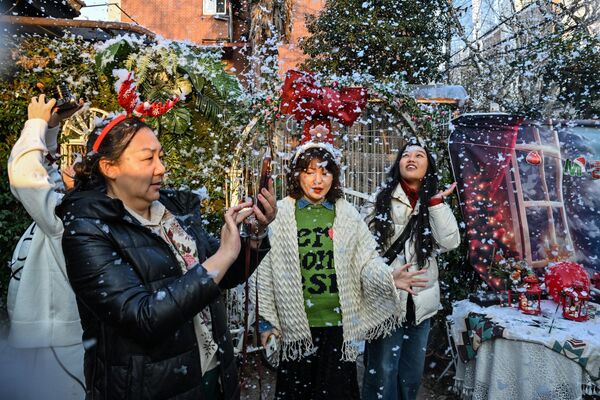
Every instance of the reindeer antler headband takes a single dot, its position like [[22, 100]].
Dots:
[[129, 99]]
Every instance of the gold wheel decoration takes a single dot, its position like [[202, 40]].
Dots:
[[76, 131]]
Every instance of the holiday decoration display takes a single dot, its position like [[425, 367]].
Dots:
[[574, 301], [524, 188], [508, 273], [303, 97], [569, 285]]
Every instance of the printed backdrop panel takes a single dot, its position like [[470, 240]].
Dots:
[[528, 189]]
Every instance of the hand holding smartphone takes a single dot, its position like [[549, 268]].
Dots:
[[265, 175]]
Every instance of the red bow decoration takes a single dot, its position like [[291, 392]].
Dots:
[[303, 97], [129, 99]]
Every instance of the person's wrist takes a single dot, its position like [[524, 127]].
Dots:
[[227, 255]]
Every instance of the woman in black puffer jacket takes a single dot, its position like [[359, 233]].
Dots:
[[148, 278]]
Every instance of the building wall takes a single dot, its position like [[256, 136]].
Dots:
[[183, 20], [177, 20], [290, 55]]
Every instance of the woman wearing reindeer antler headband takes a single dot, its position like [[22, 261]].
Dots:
[[148, 278]]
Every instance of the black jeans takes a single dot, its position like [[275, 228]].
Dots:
[[321, 375]]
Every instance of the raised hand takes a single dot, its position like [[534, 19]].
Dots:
[[406, 280], [269, 203], [230, 234], [39, 108], [445, 193]]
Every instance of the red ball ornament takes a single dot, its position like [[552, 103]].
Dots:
[[565, 275], [533, 158]]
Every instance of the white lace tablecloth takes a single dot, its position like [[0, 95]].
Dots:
[[514, 366]]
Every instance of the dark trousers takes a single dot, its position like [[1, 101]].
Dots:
[[321, 375]]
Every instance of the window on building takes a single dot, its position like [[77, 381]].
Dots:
[[214, 7]]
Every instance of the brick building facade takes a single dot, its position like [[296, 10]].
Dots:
[[213, 22]]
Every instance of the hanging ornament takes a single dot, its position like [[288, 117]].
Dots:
[[533, 158]]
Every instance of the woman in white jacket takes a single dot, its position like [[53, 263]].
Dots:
[[45, 330], [409, 214]]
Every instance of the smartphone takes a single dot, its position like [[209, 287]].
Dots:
[[265, 175]]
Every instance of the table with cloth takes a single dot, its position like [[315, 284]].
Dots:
[[502, 353]]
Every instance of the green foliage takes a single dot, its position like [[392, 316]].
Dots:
[[166, 69], [198, 134], [114, 54], [575, 67], [547, 64], [379, 37]]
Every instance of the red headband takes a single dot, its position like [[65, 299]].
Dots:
[[129, 99], [107, 129]]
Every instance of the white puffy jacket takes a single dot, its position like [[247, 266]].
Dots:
[[445, 232]]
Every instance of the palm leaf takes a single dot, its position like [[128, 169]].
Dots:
[[209, 106], [177, 121], [109, 58]]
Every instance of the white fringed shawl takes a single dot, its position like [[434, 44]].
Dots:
[[369, 301]]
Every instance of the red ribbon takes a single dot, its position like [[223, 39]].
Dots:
[[304, 98]]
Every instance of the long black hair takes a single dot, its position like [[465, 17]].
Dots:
[[381, 223], [87, 171]]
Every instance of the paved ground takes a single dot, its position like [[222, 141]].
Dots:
[[250, 390]]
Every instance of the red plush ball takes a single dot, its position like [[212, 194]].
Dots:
[[564, 275]]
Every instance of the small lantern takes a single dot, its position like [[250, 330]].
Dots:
[[574, 302], [530, 298]]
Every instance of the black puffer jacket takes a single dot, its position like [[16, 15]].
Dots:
[[136, 306]]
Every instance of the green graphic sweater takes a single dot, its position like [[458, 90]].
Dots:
[[315, 248]]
